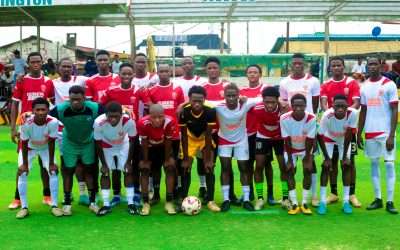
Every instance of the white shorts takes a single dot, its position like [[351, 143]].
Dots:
[[330, 146], [121, 153], [240, 150], [376, 148], [32, 153]]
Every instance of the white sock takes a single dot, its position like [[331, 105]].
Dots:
[[225, 192], [246, 193], [105, 193], [202, 180], [375, 174], [306, 193], [82, 188], [129, 195], [53, 181], [179, 181], [314, 180], [151, 188], [323, 194], [293, 196], [390, 180], [22, 188], [346, 193]]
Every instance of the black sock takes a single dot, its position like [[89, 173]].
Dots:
[[145, 198], [210, 182], [92, 196], [334, 189], [46, 191], [270, 191], [156, 191], [67, 198], [16, 196], [170, 197], [352, 189], [136, 188]]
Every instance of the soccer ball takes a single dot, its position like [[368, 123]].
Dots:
[[191, 205]]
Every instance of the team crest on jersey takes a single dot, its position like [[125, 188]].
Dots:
[[43, 88]]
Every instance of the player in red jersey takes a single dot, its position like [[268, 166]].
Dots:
[[343, 85], [156, 131], [27, 89]]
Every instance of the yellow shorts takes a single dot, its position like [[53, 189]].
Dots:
[[195, 145]]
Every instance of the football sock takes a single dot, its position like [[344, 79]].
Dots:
[[352, 189], [375, 174], [323, 194], [136, 195], [145, 198], [67, 198], [151, 184], [306, 193], [106, 197], [293, 197], [129, 194], [285, 189], [270, 191], [259, 189], [156, 190], [246, 193], [179, 181], [16, 195], [46, 192], [225, 192], [53, 179], [210, 180], [314, 183], [22, 187], [390, 180], [82, 188], [169, 197], [202, 180], [334, 189], [346, 193], [92, 195]]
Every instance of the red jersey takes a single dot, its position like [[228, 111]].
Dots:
[[256, 94], [215, 92], [156, 135], [97, 85], [348, 87], [267, 123], [128, 98], [29, 88]]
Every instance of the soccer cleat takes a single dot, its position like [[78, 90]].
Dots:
[[235, 201], [354, 201], [104, 211], [248, 206], [322, 208], [315, 202], [24, 212], [225, 206], [213, 207], [332, 198], [94, 208], [67, 210], [305, 209], [46, 200], [116, 200], [376, 204], [294, 210], [170, 208], [14, 204], [145, 209], [84, 200], [57, 212], [347, 209], [259, 204], [390, 208], [133, 209], [286, 204]]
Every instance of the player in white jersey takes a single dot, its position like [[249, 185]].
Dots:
[[232, 141], [59, 93], [336, 128], [114, 134], [188, 79], [378, 117], [298, 128], [38, 134], [299, 82], [143, 79]]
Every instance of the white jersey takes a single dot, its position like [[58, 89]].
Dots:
[[232, 123], [308, 86], [334, 129], [61, 88], [298, 131], [377, 97], [114, 136], [186, 84], [148, 80], [38, 136]]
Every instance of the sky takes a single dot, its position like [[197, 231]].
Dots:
[[262, 35]]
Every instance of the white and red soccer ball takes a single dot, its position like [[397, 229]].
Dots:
[[191, 205]]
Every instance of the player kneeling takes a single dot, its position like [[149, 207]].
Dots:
[[114, 134], [336, 130], [38, 134], [156, 131], [298, 129]]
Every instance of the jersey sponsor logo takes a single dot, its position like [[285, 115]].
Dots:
[[167, 104], [33, 95], [232, 126], [373, 102]]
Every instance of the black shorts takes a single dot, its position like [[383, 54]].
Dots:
[[252, 147], [265, 146]]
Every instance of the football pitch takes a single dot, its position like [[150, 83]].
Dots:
[[270, 228]]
